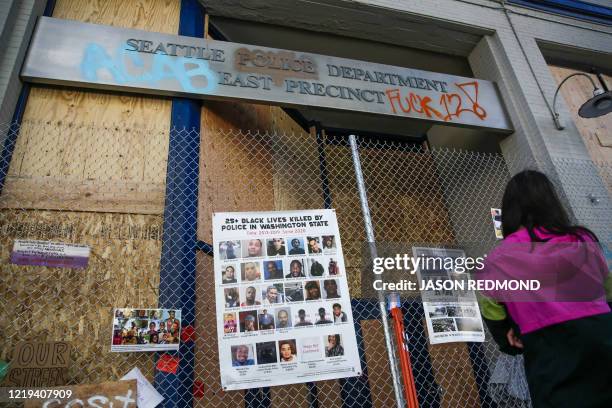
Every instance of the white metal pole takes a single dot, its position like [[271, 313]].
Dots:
[[367, 220]]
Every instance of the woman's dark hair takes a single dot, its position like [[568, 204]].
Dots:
[[530, 201]]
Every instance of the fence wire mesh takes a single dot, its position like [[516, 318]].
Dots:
[[118, 191]]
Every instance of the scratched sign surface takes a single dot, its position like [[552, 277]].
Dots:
[[94, 56]]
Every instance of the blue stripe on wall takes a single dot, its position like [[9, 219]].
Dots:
[[178, 258], [571, 8]]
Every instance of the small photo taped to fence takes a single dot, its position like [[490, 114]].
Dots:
[[265, 319], [315, 267], [333, 345], [230, 250], [228, 274], [287, 351], [273, 269], [250, 295], [266, 353], [232, 297], [296, 246], [230, 323], [272, 294], [283, 318], [250, 271], [253, 248], [329, 244], [330, 289], [146, 330], [276, 247], [294, 292], [242, 355], [295, 269], [314, 245], [248, 321]]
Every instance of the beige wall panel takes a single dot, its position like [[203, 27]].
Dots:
[[75, 305], [596, 132]]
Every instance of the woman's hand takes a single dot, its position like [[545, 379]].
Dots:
[[513, 340]]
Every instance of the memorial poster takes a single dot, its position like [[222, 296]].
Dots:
[[283, 307]]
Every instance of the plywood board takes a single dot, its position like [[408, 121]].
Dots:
[[379, 378], [86, 195], [254, 158], [75, 305], [71, 134]]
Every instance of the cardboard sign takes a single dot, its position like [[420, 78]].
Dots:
[[108, 394], [39, 364]]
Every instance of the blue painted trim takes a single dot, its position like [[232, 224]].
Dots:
[[11, 138], [257, 398], [178, 259], [12, 133], [477, 356], [205, 247], [571, 8], [355, 391], [428, 391], [49, 7]]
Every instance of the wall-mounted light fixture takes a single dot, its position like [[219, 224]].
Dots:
[[600, 104]]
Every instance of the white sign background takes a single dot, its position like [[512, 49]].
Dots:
[[311, 362], [454, 316]]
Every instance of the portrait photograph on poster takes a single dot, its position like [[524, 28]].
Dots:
[[146, 330], [283, 302]]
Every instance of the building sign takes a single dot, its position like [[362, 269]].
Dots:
[[283, 307], [72, 53]]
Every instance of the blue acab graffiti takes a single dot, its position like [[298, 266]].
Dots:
[[163, 67]]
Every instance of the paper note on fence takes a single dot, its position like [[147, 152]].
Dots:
[[52, 254], [148, 397], [451, 315]]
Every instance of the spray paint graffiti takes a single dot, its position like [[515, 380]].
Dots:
[[450, 105], [188, 72]]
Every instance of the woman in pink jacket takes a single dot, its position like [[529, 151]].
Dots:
[[564, 326]]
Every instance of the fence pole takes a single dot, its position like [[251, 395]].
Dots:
[[367, 220]]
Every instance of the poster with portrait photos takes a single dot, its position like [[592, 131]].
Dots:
[[283, 306]]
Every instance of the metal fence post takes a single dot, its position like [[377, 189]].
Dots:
[[367, 220]]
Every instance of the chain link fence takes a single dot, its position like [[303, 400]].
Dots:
[[118, 190]]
